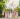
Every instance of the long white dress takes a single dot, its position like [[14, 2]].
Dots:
[[10, 15]]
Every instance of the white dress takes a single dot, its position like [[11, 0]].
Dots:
[[10, 15]]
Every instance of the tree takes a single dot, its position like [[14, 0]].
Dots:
[[6, 10], [18, 10]]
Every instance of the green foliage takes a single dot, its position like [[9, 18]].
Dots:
[[6, 9], [18, 10], [1, 8], [0, 15]]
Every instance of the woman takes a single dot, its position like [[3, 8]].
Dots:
[[15, 15]]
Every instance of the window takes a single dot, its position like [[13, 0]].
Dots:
[[1, 0]]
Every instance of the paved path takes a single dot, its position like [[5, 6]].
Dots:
[[9, 18]]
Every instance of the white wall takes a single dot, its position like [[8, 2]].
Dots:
[[15, 3]]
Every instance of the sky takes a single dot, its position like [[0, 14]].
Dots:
[[12, 3]]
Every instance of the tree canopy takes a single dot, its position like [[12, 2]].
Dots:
[[18, 10]]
